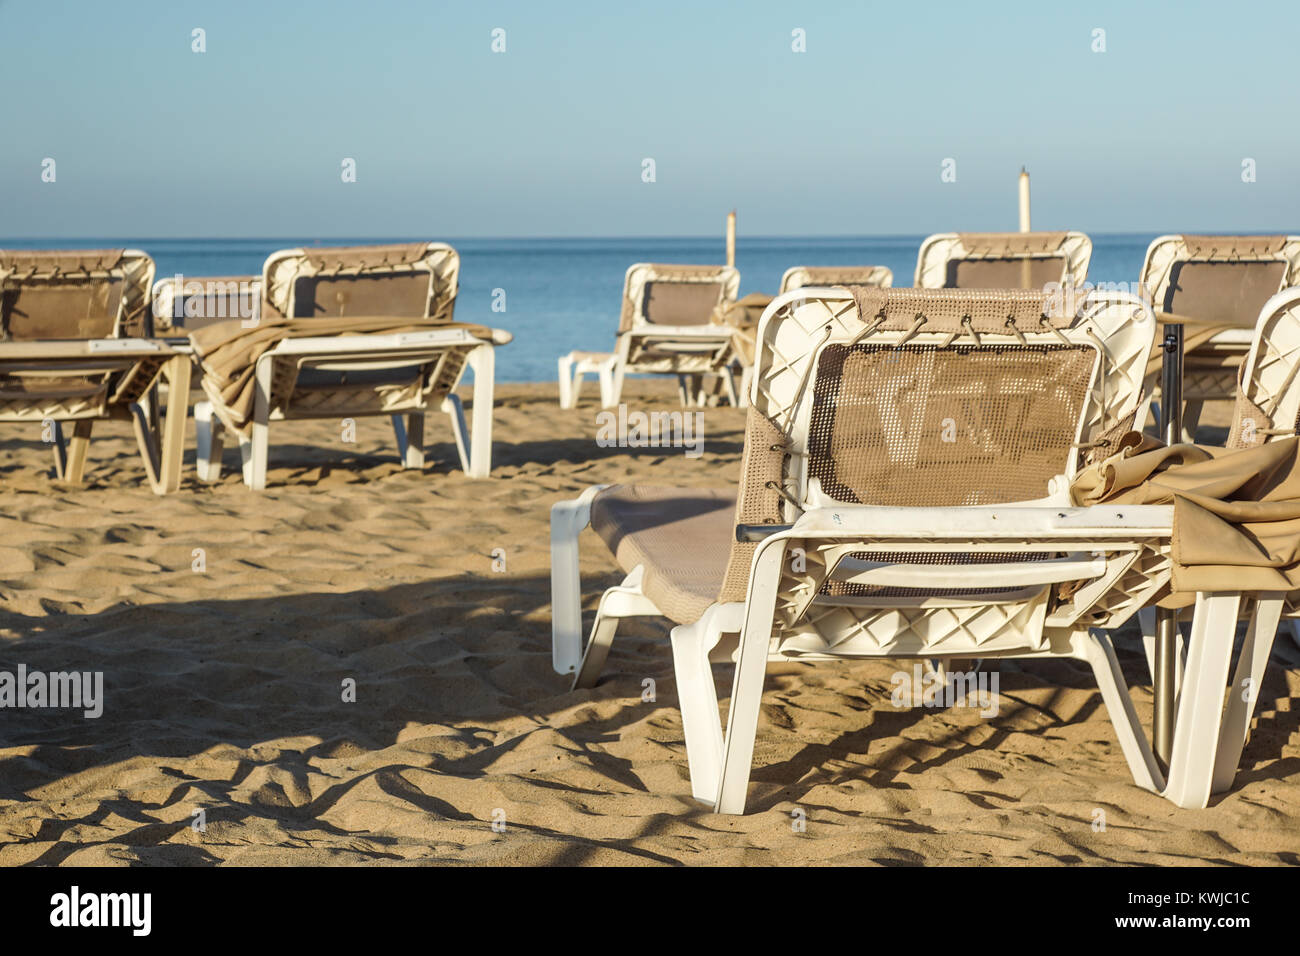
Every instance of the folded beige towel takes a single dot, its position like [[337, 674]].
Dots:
[[228, 352], [1236, 511]]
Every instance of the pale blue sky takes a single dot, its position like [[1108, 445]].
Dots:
[[547, 139]]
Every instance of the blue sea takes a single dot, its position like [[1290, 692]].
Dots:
[[563, 294]]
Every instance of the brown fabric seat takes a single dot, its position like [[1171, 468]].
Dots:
[[680, 536], [1034, 273], [1227, 293], [681, 303]]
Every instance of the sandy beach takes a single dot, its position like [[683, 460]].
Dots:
[[226, 623]]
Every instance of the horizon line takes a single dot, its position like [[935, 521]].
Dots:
[[540, 238]]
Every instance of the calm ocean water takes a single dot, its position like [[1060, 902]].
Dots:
[[563, 294]]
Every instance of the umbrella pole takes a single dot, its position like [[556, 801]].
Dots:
[[1166, 663], [1024, 223], [731, 238]]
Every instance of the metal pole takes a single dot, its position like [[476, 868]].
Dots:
[[1024, 200], [1171, 420], [1024, 224], [731, 238]]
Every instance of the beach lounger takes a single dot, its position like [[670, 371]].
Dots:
[[1003, 260], [182, 304], [347, 332], [967, 547], [743, 315], [1267, 409], [76, 347], [1215, 286], [669, 325]]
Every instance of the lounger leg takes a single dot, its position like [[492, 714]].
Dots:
[[177, 372], [246, 459], [1244, 690], [255, 475], [606, 375], [1200, 707], [60, 448], [1147, 622], [597, 650], [482, 360], [1096, 649], [207, 442], [144, 437], [570, 384], [697, 698], [568, 518], [616, 388], [76, 460], [410, 439], [456, 412], [747, 688], [626, 600], [683, 390]]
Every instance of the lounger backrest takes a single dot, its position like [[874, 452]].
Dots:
[[415, 280], [799, 277], [1003, 260], [191, 303], [675, 295], [908, 397], [1268, 387], [1221, 279], [74, 294]]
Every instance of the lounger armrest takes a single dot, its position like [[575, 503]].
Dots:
[[394, 342], [710, 331], [986, 522], [73, 349]]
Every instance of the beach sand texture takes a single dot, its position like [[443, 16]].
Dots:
[[224, 686]]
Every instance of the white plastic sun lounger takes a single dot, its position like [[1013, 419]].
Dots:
[[1003, 260], [76, 347], [987, 579], [1216, 287], [668, 326], [401, 375]]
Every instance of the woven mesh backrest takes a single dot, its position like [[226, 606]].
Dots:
[[681, 303], [66, 294], [835, 275], [1228, 293], [195, 302], [668, 276], [64, 308], [1024, 273], [920, 425], [410, 280], [399, 294]]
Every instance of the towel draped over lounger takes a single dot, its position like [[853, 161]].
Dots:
[[1236, 511], [228, 352]]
